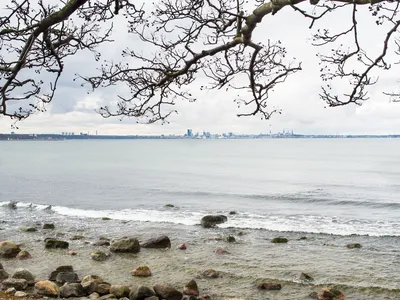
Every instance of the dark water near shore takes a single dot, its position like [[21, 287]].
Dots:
[[332, 191]]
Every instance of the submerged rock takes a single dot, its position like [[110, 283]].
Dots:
[[9, 249], [191, 288], [210, 273], [141, 271], [77, 237], [21, 273], [166, 292], [99, 256], [211, 220], [169, 205], [125, 245], [182, 247], [160, 242], [221, 251], [269, 286], [23, 254], [47, 288], [305, 277], [330, 294], [27, 229], [353, 246], [230, 239], [54, 243], [48, 226], [279, 240]]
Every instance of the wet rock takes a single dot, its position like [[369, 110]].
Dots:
[[48, 226], [269, 286], [182, 247], [103, 288], [77, 237], [211, 220], [166, 292], [9, 249], [302, 238], [23, 255], [91, 278], [72, 290], [53, 275], [221, 251], [94, 296], [330, 294], [353, 246], [279, 240], [72, 253], [106, 297], [12, 205], [3, 275], [313, 295], [20, 294], [241, 233], [191, 288], [102, 243], [169, 205], [232, 212], [18, 284], [160, 242], [54, 243], [94, 283], [63, 277], [141, 293], [1, 267], [230, 239], [152, 298], [21, 273], [99, 256], [120, 291], [141, 271], [210, 273], [47, 288], [106, 218], [305, 277], [125, 245], [27, 229]]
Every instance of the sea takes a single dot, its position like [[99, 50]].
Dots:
[[321, 194]]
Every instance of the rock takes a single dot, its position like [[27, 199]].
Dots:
[[91, 284], [141, 271], [99, 256], [241, 233], [1, 267], [9, 249], [303, 238], [91, 278], [305, 277], [166, 292], [102, 243], [94, 296], [20, 294], [106, 218], [330, 294], [191, 288], [313, 295], [151, 298], [72, 290], [18, 284], [53, 275], [23, 254], [63, 277], [353, 246], [120, 291], [279, 240], [169, 205], [160, 242], [27, 229], [72, 253], [269, 286], [77, 237], [221, 251], [141, 293], [182, 247], [106, 297], [126, 245], [48, 226], [3, 275], [210, 273], [210, 221], [54, 243], [103, 288], [11, 291], [21, 273], [47, 288], [232, 212], [230, 239]]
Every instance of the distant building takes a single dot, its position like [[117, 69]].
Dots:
[[189, 133]]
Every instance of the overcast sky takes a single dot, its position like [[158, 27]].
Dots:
[[73, 109]]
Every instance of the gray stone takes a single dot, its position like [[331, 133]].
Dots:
[[166, 292], [54, 243], [72, 290], [3, 275], [20, 294], [18, 284], [53, 275], [48, 226], [63, 277], [125, 245], [161, 242], [94, 296], [141, 293], [24, 274]]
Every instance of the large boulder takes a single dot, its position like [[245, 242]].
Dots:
[[330, 294], [21, 273], [23, 255], [3, 275], [9, 249], [160, 242], [166, 292], [211, 220], [54, 243], [47, 288], [53, 275], [125, 245], [72, 290], [18, 284], [141, 271], [120, 291], [191, 288], [141, 293], [63, 277]]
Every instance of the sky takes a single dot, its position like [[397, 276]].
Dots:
[[73, 108]]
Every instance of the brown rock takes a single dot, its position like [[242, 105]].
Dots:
[[269, 286], [3, 275], [141, 271], [330, 294], [191, 288], [72, 252], [210, 273], [166, 292], [23, 254], [221, 251], [72, 290], [46, 288], [182, 247], [161, 242], [9, 249]]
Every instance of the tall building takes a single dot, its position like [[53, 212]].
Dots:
[[190, 133]]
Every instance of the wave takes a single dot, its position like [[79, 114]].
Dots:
[[243, 220]]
